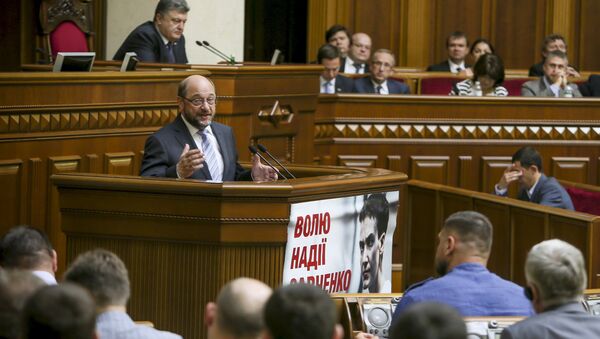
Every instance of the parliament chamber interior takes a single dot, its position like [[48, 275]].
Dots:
[[72, 146]]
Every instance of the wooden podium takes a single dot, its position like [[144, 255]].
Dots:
[[183, 239]]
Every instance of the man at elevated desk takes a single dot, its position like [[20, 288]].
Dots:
[[535, 186], [160, 40], [193, 146]]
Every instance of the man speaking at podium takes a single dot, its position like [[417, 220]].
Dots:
[[195, 147]]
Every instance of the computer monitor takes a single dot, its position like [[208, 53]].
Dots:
[[74, 61], [129, 62]]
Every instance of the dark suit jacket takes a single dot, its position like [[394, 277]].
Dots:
[[163, 148], [566, 321], [548, 192], [592, 87], [146, 42], [441, 67], [343, 66], [537, 70], [364, 85], [343, 84]]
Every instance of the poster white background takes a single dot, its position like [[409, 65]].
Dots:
[[342, 251]]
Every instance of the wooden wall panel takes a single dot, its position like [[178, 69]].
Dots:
[[526, 227], [430, 168], [357, 160], [500, 258], [570, 168], [381, 20], [492, 169], [123, 163], [589, 48], [11, 178], [420, 234]]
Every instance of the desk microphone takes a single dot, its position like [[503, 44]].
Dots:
[[264, 150], [213, 50], [253, 150]]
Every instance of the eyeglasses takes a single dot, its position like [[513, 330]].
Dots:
[[382, 64], [199, 101]]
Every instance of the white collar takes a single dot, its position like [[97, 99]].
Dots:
[[454, 66], [193, 130], [47, 277], [530, 191]]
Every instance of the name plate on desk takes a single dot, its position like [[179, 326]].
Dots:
[[343, 245]]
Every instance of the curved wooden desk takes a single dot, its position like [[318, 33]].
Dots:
[[184, 239]]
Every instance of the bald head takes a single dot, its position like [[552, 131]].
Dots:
[[196, 81], [239, 309], [196, 100]]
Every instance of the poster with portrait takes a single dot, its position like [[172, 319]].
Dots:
[[343, 245]]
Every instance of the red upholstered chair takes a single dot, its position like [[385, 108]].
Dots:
[[437, 85], [585, 198], [67, 26], [513, 85]]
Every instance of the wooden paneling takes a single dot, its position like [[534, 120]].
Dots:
[[570, 168], [589, 47], [357, 160], [11, 177], [124, 163], [517, 227], [429, 168]]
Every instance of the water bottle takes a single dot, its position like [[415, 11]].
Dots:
[[477, 92], [568, 93]]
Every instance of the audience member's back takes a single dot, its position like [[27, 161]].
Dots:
[[429, 321], [63, 311], [301, 311]]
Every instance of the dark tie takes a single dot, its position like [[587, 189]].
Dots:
[[358, 67], [378, 89], [170, 54], [458, 69]]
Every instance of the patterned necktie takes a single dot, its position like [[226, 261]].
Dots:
[[170, 54], [211, 155]]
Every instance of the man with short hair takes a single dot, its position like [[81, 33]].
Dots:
[[552, 42], [28, 248], [556, 278], [429, 320], [160, 40], [554, 83], [105, 276], [331, 81], [464, 282], [535, 186], [58, 312], [338, 36], [378, 82], [238, 312], [458, 48], [300, 311], [360, 52], [194, 146], [373, 219]]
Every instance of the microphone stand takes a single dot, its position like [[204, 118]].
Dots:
[[229, 59], [253, 150], [264, 150]]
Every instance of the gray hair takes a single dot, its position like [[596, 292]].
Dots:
[[557, 54], [557, 268], [103, 274], [165, 6]]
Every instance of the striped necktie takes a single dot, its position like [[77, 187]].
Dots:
[[215, 167]]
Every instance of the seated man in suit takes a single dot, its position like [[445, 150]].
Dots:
[[554, 83], [238, 312], [360, 52], [464, 282], [382, 67], [458, 48], [193, 146], [161, 40], [105, 277], [552, 42], [331, 80], [556, 278], [592, 87], [535, 186], [338, 36]]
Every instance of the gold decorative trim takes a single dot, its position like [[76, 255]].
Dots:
[[427, 130], [178, 217]]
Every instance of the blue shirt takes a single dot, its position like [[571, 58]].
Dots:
[[118, 325], [472, 290]]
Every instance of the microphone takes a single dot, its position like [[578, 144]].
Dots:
[[213, 50], [264, 150], [253, 150]]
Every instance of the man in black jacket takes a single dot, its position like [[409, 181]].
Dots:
[[160, 40], [330, 80]]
